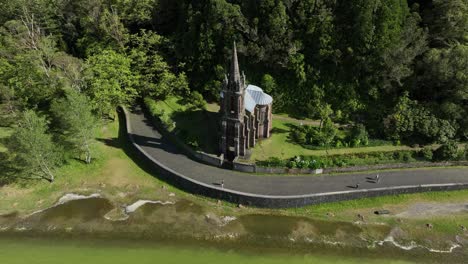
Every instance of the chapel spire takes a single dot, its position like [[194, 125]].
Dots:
[[234, 76]]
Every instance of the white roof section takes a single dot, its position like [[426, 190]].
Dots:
[[258, 96], [254, 96], [249, 102], [254, 88]]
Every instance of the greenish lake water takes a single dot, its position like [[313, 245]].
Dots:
[[82, 231], [51, 251]]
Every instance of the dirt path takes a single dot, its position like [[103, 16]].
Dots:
[[297, 121]]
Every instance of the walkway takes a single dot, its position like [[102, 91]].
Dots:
[[161, 149]]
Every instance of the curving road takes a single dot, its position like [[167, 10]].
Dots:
[[162, 150]]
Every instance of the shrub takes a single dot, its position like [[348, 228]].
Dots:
[[447, 151], [273, 162], [298, 135], [358, 136], [315, 164], [355, 142], [465, 152], [407, 156], [197, 101], [426, 153], [291, 164], [338, 144]]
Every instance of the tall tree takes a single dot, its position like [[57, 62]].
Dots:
[[450, 22], [110, 81], [34, 154], [76, 122]]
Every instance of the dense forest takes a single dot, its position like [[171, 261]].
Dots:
[[400, 67]]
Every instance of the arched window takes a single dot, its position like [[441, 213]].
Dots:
[[233, 105]]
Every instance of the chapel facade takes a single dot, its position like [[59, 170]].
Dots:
[[245, 113]]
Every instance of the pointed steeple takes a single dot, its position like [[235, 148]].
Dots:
[[234, 76]]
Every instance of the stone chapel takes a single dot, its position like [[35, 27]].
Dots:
[[245, 113]]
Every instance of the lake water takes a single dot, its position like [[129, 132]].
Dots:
[[53, 251], [85, 231]]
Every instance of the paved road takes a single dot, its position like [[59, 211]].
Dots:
[[160, 148]]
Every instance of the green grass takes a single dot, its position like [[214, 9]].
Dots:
[[5, 132], [382, 201], [346, 210], [278, 145], [196, 127]]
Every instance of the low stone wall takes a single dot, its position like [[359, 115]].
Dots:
[[396, 166], [269, 201], [252, 168], [270, 170], [247, 167], [197, 155], [243, 167], [209, 159]]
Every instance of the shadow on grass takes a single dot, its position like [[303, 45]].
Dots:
[[277, 130], [198, 126]]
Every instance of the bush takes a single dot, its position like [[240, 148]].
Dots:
[[298, 135], [358, 136], [196, 100], [155, 111], [273, 162], [426, 153], [338, 144], [447, 151], [465, 152]]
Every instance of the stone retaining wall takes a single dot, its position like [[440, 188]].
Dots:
[[269, 201], [252, 168], [247, 167]]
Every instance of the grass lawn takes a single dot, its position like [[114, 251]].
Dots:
[[4, 133], [278, 145]]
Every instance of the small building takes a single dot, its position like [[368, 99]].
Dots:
[[245, 113]]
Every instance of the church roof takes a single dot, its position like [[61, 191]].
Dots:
[[254, 95]]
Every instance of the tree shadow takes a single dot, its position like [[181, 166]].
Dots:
[[200, 126], [277, 130]]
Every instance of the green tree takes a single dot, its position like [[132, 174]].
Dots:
[[34, 154], [328, 132], [414, 122], [76, 122], [447, 151], [155, 78], [450, 21], [358, 135], [110, 81], [136, 12], [268, 83]]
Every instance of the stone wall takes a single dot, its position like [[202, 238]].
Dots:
[[396, 166], [268, 201], [248, 167], [243, 167]]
